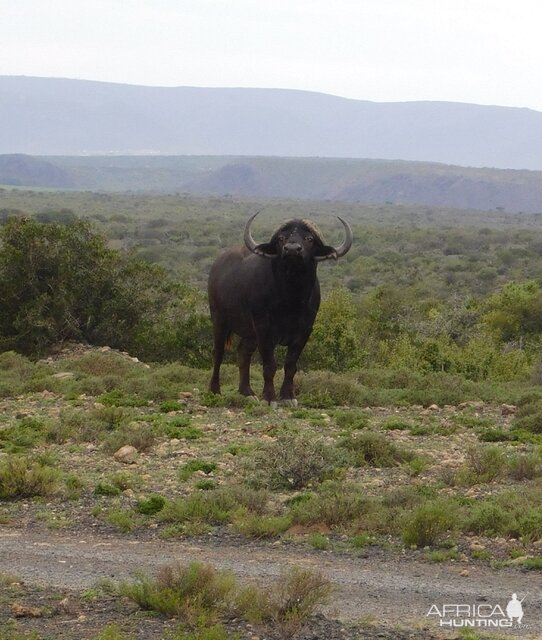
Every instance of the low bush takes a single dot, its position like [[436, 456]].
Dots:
[[255, 525], [194, 593], [293, 461], [487, 518], [213, 507], [352, 419], [122, 519], [296, 597], [23, 478], [324, 389], [398, 424], [137, 434], [23, 435], [196, 465], [485, 463], [334, 504], [482, 464], [374, 449], [428, 523], [524, 466]]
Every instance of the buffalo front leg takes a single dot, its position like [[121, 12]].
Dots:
[[269, 370], [290, 368], [266, 347], [246, 348]]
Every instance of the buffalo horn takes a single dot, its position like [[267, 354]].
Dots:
[[344, 248], [250, 243]]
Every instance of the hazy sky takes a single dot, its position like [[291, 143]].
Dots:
[[482, 51]]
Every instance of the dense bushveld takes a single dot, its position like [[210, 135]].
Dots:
[[429, 308], [424, 291]]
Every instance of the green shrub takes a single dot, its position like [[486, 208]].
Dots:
[[352, 419], [118, 398], [122, 519], [196, 465], [293, 461], [335, 343], [485, 463], [373, 449], [530, 422], [319, 541], [112, 632], [151, 505], [61, 281], [496, 435], [205, 484], [334, 504], [137, 434], [209, 507], [524, 466], [532, 563], [255, 525], [323, 389], [106, 489], [398, 424], [25, 434], [361, 540], [296, 597], [195, 592], [488, 518], [171, 405], [22, 478], [427, 524]]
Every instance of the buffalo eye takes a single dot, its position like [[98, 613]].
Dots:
[[309, 238], [282, 238]]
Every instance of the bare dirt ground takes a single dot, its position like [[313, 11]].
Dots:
[[59, 547], [382, 587]]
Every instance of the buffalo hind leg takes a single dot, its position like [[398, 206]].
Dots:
[[220, 336], [246, 348]]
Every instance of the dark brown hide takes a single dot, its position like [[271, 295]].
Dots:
[[268, 294]]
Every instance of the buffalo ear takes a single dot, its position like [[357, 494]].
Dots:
[[266, 249], [325, 253]]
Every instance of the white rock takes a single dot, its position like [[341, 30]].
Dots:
[[126, 454]]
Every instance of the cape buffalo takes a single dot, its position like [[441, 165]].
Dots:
[[269, 294]]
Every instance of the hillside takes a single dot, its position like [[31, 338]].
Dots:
[[316, 179], [60, 116]]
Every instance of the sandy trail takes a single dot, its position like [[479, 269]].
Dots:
[[388, 588]]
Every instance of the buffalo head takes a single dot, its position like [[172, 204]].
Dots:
[[299, 239]]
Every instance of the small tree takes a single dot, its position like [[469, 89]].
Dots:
[[61, 281]]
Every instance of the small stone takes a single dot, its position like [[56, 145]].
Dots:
[[66, 606], [126, 454], [21, 611], [64, 375], [464, 573], [508, 409], [433, 407]]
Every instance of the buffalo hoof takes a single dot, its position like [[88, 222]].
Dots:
[[289, 402], [273, 404]]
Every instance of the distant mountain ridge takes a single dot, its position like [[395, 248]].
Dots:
[[50, 116], [333, 179]]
